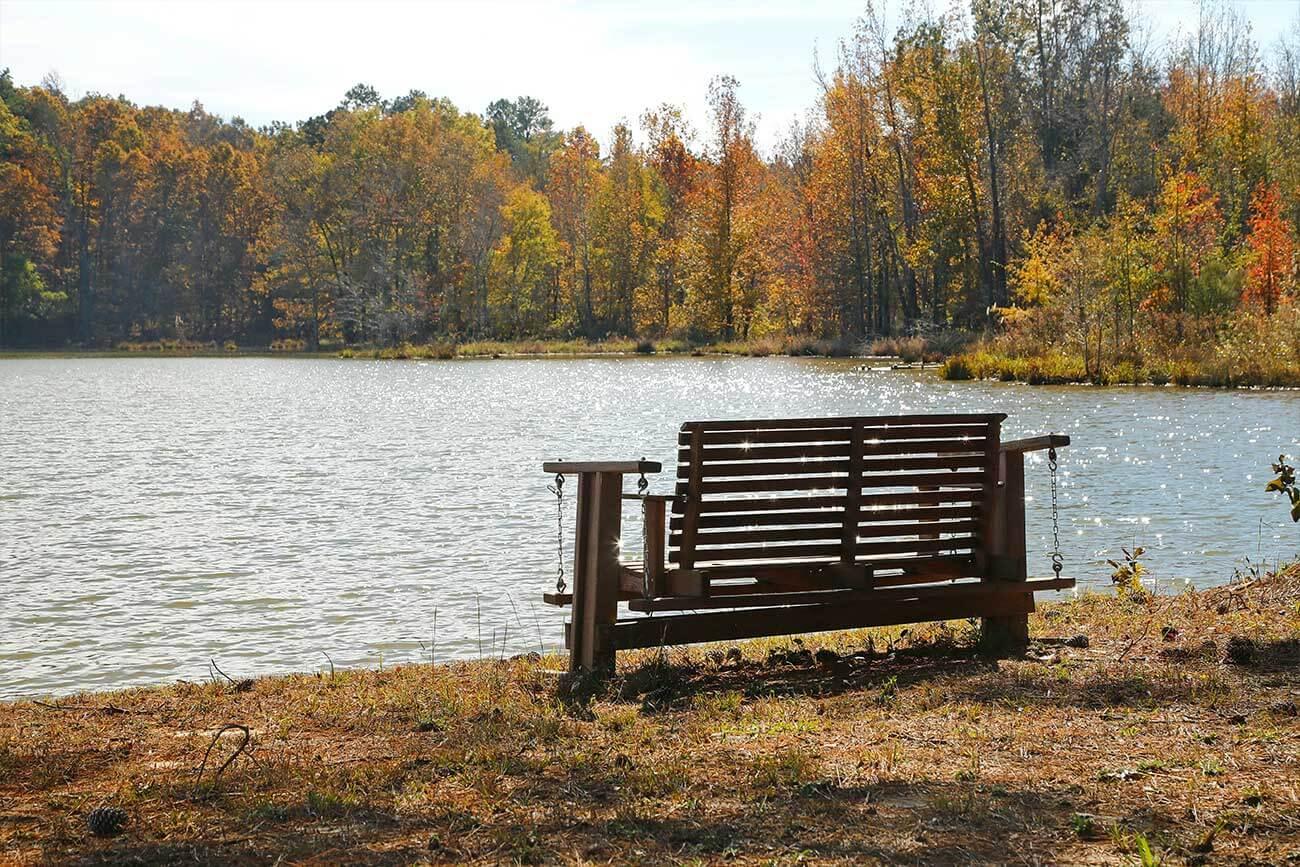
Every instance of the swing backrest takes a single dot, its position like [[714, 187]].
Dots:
[[876, 490]]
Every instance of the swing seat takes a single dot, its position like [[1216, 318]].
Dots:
[[801, 525]]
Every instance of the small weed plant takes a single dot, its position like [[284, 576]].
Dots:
[[1127, 574], [1285, 484]]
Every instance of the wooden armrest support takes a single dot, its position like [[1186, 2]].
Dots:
[[602, 467], [1036, 444]]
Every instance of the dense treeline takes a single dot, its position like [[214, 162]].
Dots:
[[1027, 161]]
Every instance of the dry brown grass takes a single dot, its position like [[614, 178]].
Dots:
[[910, 747]]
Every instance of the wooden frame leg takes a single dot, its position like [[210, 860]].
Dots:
[[1007, 552], [596, 571]]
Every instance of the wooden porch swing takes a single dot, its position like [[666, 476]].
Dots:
[[803, 525]]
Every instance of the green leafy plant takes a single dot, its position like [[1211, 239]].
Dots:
[[1085, 826], [1127, 573], [1285, 484], [1146, 856]]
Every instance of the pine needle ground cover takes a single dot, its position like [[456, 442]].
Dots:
[[1134, 731]]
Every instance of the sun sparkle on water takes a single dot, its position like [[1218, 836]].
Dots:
[[147, 496]]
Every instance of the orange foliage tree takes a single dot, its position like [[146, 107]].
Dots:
[[1271, 274]]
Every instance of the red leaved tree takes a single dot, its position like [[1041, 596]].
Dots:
[[1271, 273]]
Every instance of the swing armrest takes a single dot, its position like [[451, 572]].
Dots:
[[1036, 444], [602, 467], [654, 498]]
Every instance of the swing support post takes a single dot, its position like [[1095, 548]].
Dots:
[[1007, 560], [596, 566]]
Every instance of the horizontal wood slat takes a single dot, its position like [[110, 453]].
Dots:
[[913, 446], [773, 504], [872, 435], [794, 534], [780, 534], [916, 546], [889, 514], [789, 483], [774, 468], [809, 575], [915, 528], [838, 482], [869, 421], [914, 570], [882, 502], [772, 553], [780, 452], [869, 501], [762, 552], [830, 516], [765, 519], [802, 467]]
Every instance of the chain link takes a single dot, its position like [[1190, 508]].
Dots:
[[641, 486], [1057, 558], [558, 490]]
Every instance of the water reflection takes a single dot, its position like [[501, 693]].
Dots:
[[155, 513]]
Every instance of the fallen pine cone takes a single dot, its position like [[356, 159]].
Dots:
[[1241, 651], [106, 821]]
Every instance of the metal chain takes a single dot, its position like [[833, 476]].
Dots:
[[641, 486], [558, 490], [1057, 557]]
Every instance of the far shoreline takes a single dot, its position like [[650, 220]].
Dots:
[[952, 368]]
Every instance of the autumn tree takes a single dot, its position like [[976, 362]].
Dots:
[[523, 129], [628, 215], [1187, 225], [575, 181], [1272, 270], [675, 173], [719, 236], [29, 227], [522, 265]]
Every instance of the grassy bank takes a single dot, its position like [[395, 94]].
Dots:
[[762, 347], [909, 349], [1060, 369], [1173, 732]]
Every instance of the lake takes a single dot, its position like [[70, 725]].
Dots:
[[270, 513]]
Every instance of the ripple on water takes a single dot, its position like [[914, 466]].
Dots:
[[160, 512]]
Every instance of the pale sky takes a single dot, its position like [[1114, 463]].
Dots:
[[591, 62]]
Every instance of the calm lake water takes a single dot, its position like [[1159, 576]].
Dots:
[[158, 513]]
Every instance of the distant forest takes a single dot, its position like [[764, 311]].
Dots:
[[1010, 160]]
